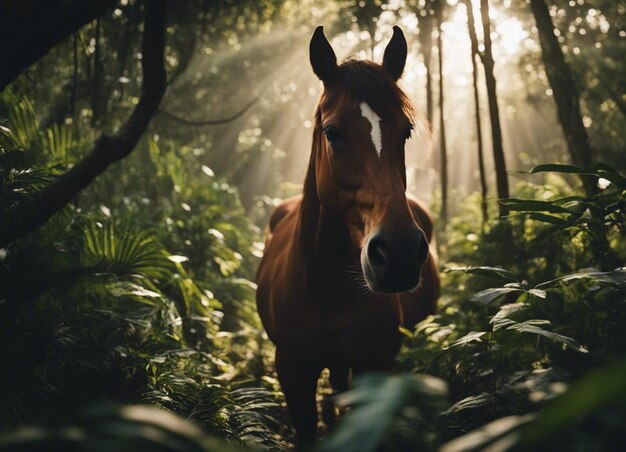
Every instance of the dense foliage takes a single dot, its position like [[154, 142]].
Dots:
[[151, 304], [133, 307]]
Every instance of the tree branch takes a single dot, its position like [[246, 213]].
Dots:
[[30, 28], [108, 148], [208, 122]]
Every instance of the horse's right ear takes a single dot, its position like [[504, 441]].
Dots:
[[322, 56]]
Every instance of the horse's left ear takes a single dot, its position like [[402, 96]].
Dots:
[[395, 54]]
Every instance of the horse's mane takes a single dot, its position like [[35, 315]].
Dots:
[[363, 81]]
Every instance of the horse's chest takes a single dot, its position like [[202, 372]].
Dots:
[[362, 331], [344, 331]]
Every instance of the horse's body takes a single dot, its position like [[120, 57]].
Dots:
[[342, 262]]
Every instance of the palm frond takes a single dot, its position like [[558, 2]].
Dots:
[[123, 251], [24, 124], [59, 142]]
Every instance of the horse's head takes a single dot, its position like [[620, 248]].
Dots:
[[362, 123]]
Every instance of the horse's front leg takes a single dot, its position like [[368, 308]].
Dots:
[[299, 383]]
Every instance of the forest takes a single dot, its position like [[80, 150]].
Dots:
[[145, 143]]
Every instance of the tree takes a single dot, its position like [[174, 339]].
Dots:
[[568, 108], [564, 92], [439, 7], [108, 148], [479, 135], [366, 15], [30, 28], [502, 183], [425, 34]]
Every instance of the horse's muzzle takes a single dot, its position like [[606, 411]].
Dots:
[[392, 259]]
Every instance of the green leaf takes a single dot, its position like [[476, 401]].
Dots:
[[603, 167], [468, 403], [23, 124], [59, 141], [557, 168], [490, 272], [500, 319], [538, 293], [376, 401], [615, 278], [598, 388], [596, 170], [473, 336], [546, 218], [487, 296], [105, 426], [530, 205], [577, 221], [501, 434], [135, 291], [123, 251], [533, 327]]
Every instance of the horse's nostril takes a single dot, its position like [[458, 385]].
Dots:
[[376, 253]]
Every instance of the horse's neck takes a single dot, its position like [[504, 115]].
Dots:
[[324, 248], [322, 242]]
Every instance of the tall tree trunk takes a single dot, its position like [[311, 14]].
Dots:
[[564, 92], [568, 107], [425, 25], [429, 93], [372, 32], [479, 134], [502, 183], [442, 130]]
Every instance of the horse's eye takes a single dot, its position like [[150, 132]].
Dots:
[[409, 132], [332, 133]]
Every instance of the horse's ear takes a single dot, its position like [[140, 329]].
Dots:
[[395, 54], [322, 56]]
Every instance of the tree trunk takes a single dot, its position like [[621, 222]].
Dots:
[[107, 149], [502, 183], [479, 134], [429, 95], [564, 93], [568, 108], [425, 25], [30, 28], [442, 130], [372, 33]]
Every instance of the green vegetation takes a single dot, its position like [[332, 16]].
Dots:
[[128, 320]]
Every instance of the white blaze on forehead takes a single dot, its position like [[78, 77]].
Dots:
[[374, 121]]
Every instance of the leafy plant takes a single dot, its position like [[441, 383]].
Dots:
[[111, 301], [379, 416], [596, 216]]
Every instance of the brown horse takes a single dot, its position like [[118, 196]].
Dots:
[[347, 263]]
